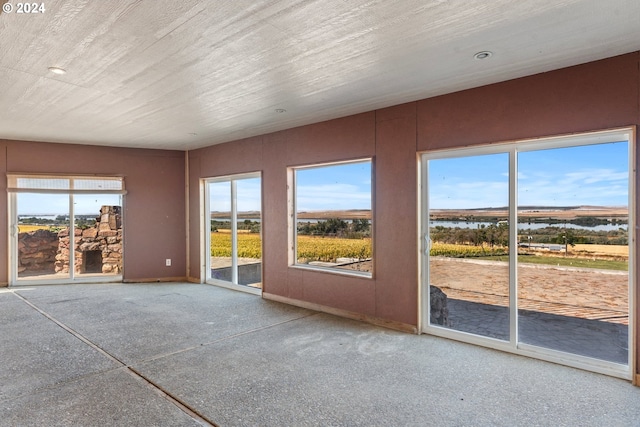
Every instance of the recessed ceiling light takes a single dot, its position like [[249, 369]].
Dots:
[[58, 70], [280, 110], [483, 55]]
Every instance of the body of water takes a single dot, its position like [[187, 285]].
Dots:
[[524, 225]]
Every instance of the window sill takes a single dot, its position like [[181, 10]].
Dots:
[[333, 270]]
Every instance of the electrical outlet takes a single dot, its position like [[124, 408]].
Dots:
[[168, 262]]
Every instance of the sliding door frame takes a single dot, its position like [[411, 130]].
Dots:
[[13, 228], [205, 259], [513, 345]]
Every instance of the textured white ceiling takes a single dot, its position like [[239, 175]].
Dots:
[[185, 74]]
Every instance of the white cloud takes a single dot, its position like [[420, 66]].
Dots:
[[247, 193], [596, 186], [332, 197], [582, 187], [593, 176], [468, 195]]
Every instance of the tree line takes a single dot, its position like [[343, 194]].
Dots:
[[492, 235], [81, 221], [498, 235], [247, 224], [358, 228]]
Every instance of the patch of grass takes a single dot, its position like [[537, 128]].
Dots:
[[565, 262]]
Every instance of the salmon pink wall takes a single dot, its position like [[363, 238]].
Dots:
[[391, 294], [595, 96], [154, 215]]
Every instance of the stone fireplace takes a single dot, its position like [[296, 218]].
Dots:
[[92, 262]]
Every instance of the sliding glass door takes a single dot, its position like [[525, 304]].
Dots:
[[577, 301], [46, 247], [468, 225], [526, 248], [233, 243]]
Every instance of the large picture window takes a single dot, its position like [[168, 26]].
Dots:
[[331, 226], [527, 248]]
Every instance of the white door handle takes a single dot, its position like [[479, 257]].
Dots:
[[427, 244]]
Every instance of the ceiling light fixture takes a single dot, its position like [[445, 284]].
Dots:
[[483, 55], [280, 110], [58, 70]]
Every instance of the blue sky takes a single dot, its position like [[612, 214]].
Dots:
[[58, 204], [247, 192], [335, 187], [584, 175]]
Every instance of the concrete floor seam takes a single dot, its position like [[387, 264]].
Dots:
[[71, 331], [129, 369], [172, 399]]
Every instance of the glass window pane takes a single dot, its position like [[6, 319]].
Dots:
[[573, 251], [220, 229], [43, 236], [98, 229], [333, 215], [469, 244], [249, 254]]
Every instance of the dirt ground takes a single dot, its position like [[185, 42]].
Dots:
[[584, 293], [576, 292]]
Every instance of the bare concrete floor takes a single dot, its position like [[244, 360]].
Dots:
[[185, 354], [591, 338]]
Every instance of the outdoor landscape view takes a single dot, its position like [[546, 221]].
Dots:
[[333, 221], [45, 246], [572, 247]]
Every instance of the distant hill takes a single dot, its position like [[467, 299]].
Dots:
[[344, 214], [241, 215], [556, 212]]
